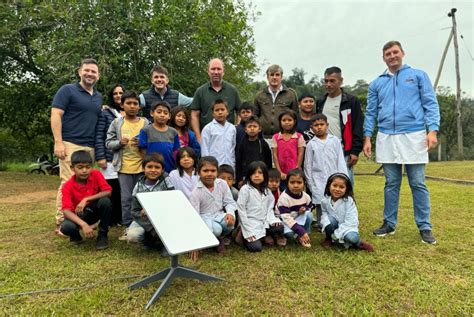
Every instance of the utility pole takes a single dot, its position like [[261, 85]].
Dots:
[[458, 86], [440, 68]]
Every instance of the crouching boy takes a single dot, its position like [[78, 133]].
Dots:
[[85, 201]]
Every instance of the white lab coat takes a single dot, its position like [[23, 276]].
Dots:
[[322, 159], [255, 211], [344, 211]]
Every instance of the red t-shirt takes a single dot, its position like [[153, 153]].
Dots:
[[73, 192]]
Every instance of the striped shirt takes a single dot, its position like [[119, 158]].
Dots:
[[166, 143]]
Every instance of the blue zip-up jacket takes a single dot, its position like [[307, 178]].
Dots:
[[402, 103]]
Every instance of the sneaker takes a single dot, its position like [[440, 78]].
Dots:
[[327, 243], [427, 237], [226, 241], [281, 241], [269, 241], [102, 242], [316, 225], [384, 230], [221, 247], [365, 246], [76, 241], [123, 237]]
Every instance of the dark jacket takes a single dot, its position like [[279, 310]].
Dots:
[[250, 151], [351, 120], [105, 119], [268, 111], [151, 96]]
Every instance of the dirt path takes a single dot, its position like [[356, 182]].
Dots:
[[29, 197]]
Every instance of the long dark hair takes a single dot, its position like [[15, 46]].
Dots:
[[290, 113], [174, 113], [252, 168], [180, 154], [349, 190], [110, 101]]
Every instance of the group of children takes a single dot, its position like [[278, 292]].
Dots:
[[272, 205]]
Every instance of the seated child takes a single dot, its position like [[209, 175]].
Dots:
[[339, 219], [85, 201], [218, 136], [212, 199], [226, 172], [294, 206], [255, 208], [274, 179], [158, 137], [252, 148], [154, 180], [185, 177], [180, 121]]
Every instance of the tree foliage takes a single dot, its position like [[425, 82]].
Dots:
[[42, 43]]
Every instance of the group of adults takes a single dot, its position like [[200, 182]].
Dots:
[[401, 103]]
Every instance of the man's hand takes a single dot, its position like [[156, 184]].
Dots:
[[102, 164], [367, 149], [229, 219], [59, 150], [352, 160], [432, 140], [87, 230]]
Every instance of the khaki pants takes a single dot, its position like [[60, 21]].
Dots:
[[65, 173]]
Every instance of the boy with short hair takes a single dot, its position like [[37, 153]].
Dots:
[[218, 137], [158, 137], [122, 139], [323, 157], [306, 106], [252, 148], [226, 172], [246, 110], [154, 179], [85, 201]]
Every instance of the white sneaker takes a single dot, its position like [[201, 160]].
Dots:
[[123, 237]]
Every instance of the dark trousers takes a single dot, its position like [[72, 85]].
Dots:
[[98, 210], [257, 245], [116, 217]]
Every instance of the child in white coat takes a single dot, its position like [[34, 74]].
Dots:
[[255, 208], [185, 177], [339, 214]]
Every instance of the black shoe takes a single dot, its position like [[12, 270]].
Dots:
[[384, 230], [102, 242], [76, 240], [427, 237]]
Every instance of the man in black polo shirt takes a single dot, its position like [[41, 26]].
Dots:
[[204, 97], [74, 113], [159, 91]]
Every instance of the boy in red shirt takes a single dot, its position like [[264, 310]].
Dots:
[[85, 201]]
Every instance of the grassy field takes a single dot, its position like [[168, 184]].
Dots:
[[403, 276]]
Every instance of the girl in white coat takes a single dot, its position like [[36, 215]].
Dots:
[[185, 177], [255, 208], [339, 218]]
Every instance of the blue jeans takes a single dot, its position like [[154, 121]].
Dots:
[[421, 196], [306, 226], [219, 228], [350, 239]]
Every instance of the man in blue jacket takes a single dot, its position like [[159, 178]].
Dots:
[[403, 104]]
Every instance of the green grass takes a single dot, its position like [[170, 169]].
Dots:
[[14, 167], [402, 277]]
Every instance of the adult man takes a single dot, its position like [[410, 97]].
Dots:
[[160, 90], [273, 100], [74, 113], [403, 104], [344, 115], [204, 97]]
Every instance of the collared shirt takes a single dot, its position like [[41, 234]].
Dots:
[[213, 204], [404, 148], [219, 141], [287, 151], [81, 112], [275, 94], [74, 192], [184, 183]]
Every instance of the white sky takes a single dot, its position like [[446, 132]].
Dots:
[[316, 34]]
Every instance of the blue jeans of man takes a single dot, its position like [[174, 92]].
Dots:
[[421, 196]]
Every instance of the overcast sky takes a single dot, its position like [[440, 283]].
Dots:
[[316, 34]]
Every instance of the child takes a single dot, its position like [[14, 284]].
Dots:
[[85, 201], [288, 145], [324, 156], [339, 220], [154, 179], [213, 201], [252, 148], [226, 173], [246, 110], [218, 137], [306, 104], [122, 140], [255, 208], [158, 137], [180, 121], [294, 206], [274, 178], [185, 177]]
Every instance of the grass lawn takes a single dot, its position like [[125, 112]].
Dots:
[[403, 276]]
